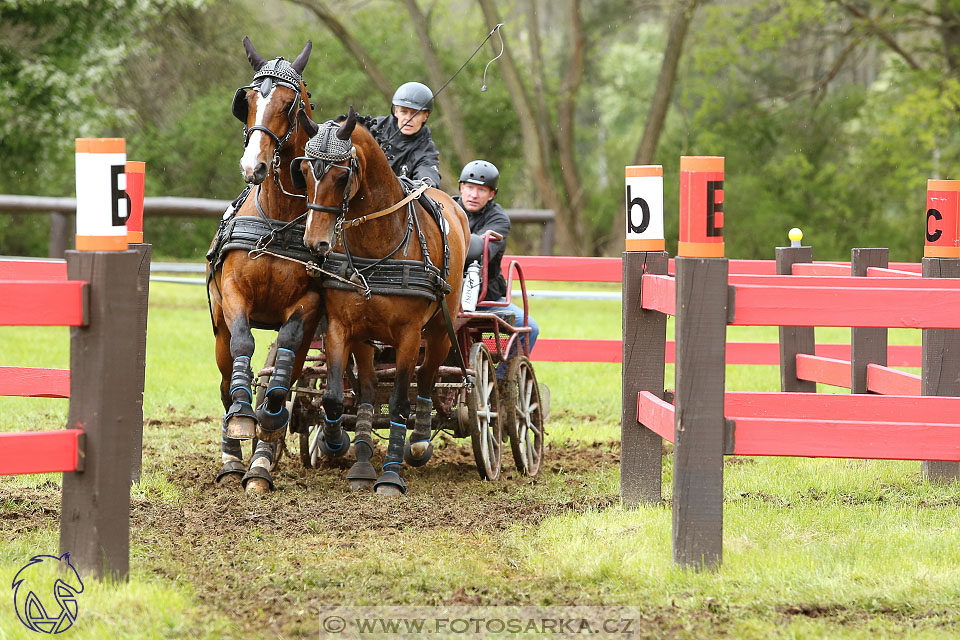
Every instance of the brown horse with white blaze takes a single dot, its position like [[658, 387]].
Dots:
[[249, 285], [353, 195]]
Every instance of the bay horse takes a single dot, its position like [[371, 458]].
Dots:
[[249, 285], [358, 206]]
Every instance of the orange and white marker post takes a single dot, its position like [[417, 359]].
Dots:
[[943, 219], [102, 202], [645, 208], [135, 186], [701, 207]]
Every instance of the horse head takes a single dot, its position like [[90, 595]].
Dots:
[[268, 107], [332, 174]]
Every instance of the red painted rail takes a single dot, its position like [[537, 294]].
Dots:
[[34, 382], [829, 425], [824, 370], [759, 353], [592, 269], [12, 269], [43, 303], [760, 305], [41, 451], [891, 382]]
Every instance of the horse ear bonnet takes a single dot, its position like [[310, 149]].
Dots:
[[270, 74], [296, 175], [240, 107]]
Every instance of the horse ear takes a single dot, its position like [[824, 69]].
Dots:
[[256, 60], [301, 60], [296, 174], [347, 127], [309, 125]]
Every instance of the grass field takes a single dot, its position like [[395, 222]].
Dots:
[[812, 548]]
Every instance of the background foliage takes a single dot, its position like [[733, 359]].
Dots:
[[831, 114]]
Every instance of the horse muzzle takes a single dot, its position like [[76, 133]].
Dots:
[[257, 176]]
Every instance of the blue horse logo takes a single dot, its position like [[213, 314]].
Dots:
[[65, 585]]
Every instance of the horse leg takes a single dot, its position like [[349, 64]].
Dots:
[[231, 452], [272, 415], [240, 421], [334, 441], [419, 449], [390, 483], [362, 474]]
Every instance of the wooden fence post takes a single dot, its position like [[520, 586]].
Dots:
[[95, 516], [794, 340], [644, 344], [701, 327], [60, 233], [940, 375], [144, 254], [867, 345]]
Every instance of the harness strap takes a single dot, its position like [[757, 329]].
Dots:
[[370, 216]]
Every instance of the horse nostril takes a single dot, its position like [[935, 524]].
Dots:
[[322, 247], [259, 173]]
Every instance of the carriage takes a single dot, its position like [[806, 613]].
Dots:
[[488, 410]]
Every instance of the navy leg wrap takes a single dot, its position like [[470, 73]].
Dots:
[[390, 479], [273, 424], [398, 432], [334, 441], [421, 428], [240, 380], [229, 446], [282, 371]]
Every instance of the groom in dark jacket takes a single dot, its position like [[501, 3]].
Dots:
[[404, 136]]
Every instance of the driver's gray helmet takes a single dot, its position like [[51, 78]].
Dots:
[[414, 95], [481, 172]]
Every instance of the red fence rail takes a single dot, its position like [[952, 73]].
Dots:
[[102, 296], [866, 295]]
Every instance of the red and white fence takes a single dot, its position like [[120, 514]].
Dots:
[[102, 296]]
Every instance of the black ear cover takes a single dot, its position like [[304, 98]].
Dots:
[[296, 175], [240, 107]]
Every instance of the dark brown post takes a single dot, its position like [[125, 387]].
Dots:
[[644, 344], [144, 254], [866, 344], [60, 230], [940, 375], [95, 517], [701, 329], [546, 238], [794, 340]]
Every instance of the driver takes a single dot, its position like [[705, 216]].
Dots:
[[404, 136], [478, 187]]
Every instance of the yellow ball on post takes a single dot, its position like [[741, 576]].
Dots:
[[795, 235]]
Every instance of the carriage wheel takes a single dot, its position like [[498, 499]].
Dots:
[[524, 418], [486, 433]]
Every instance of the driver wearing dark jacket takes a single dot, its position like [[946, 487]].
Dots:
[[404, 136]]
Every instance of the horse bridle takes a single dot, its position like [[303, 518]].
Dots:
[[275, 73], [324, 151]]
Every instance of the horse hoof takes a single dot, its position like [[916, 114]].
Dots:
[[390, 484], [361, 485], [257, 480], [416, 454], [257, 486], [335, 451], [241, 428], [230, 481], [362, 475], [231, 473], [275, 435]]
